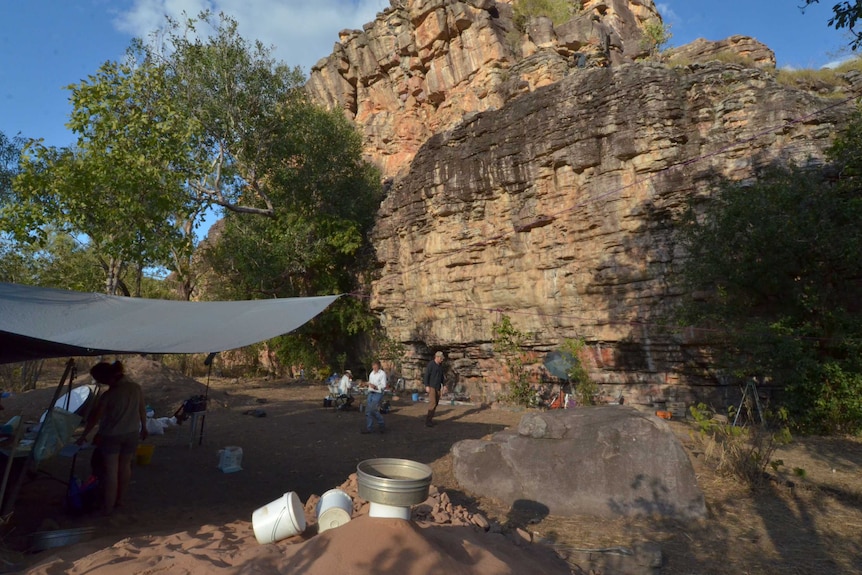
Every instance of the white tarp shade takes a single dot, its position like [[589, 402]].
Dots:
[[41, 322]]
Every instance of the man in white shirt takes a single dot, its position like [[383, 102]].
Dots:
[[376, 387], [346, 383]]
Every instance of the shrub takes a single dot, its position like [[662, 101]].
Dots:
[[20, 376], [656, 36], [585, 388], [509, 342], [827, 398], [559, 11], [808, 79], [745, 453]]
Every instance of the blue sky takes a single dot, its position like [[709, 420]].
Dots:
[[48, 44]]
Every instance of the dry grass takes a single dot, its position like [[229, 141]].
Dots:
[[724, 56]]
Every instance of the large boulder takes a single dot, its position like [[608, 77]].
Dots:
[[602, 461]]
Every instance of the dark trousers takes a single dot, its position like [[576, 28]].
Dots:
[[433, 400]]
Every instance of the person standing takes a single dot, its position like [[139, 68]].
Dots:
[[376, 387], [121, 416], [433, 381]]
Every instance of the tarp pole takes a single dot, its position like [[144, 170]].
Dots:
[[209, 363]]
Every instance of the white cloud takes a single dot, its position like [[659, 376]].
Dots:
[[839, 61], [667, 13], [301, 31]]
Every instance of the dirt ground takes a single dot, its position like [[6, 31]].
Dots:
[[811, 525]]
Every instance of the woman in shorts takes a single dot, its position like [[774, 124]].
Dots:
[[121, 416]]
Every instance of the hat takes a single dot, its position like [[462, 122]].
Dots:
[[348, 372], [438, 354]]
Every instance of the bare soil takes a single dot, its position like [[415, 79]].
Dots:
[[807, 522]]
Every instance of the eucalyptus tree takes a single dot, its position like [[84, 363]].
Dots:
[[194, 119], [297, 196], [121, 186], [10, 152]]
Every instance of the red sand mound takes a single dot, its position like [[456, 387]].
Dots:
[[365, 545]]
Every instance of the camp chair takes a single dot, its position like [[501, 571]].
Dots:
[[340, 401]]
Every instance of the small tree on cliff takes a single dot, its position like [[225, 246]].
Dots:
[[777, 266], [656, 36]]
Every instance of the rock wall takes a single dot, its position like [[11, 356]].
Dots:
[[537, 172], [423, 64], [558, 211]]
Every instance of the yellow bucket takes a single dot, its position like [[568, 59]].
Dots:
[[145, 453]]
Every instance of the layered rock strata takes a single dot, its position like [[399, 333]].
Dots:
[[423, 64], [558, 210], [537, 170]]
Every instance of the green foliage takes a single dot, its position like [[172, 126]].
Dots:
[[121, 185], [656, 36], [585, 388], [827, 398], [389, 352], [559, 11], [724, 56], [845, 15], [316, 243], [10, 153], [60, 262], [509, 343], [197, 118], [230, 92], [745, 453], [776, 265]]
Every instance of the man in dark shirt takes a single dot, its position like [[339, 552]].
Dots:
[[433, 380]]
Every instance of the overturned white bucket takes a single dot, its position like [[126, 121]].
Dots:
[[278, 519], [390, 511], [334, 509]]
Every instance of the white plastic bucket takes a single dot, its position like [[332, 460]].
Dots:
[[390, 511], [230, 459], [279, 519], [333, 510]]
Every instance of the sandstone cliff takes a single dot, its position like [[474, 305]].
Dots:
[[538, 173], [423, 64], [558, 211]]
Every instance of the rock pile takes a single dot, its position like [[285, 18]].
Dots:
[[437, 509]]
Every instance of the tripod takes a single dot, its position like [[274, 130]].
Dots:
[[750, 393]]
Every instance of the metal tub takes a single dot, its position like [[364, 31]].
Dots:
[[393, 482]]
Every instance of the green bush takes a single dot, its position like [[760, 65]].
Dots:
[[827, 399], [585, 388], [656, 36], [776, 264]]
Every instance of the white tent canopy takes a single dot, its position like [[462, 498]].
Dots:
[[41, 322]]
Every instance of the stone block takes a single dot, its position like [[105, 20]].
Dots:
[[611, 461]]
